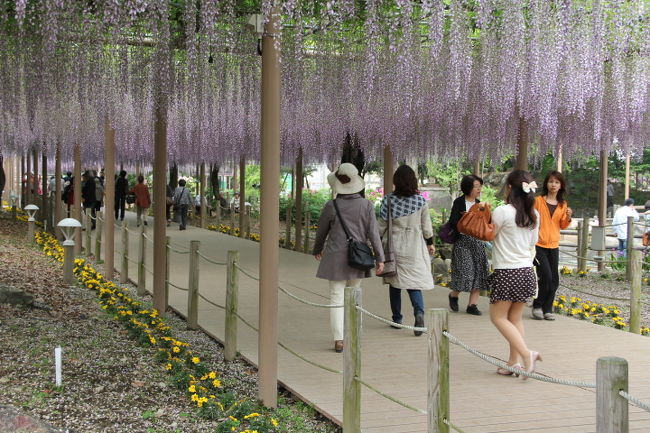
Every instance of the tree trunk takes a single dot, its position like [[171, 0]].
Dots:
[[214, 181], [173, 176]]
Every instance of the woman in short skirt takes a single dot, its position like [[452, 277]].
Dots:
[[513, 281]]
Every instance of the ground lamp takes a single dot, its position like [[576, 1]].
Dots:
[[68, 226], [31, 222], [13, 198]]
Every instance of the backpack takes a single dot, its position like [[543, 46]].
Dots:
[[99, 190]]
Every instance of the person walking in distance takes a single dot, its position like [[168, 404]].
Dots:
[[620, 223], [142, 200], [555, 215], [412, 243], [182, 201], [469, 265], [331, 244], [513, 281], [121, 188]]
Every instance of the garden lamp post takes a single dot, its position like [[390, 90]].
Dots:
[[13, 198], [68, 227], [31, 221]]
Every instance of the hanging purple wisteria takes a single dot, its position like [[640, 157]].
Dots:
[[438, 78]]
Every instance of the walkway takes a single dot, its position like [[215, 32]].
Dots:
[[395, 361]]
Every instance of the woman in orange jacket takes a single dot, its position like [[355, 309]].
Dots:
[[555, 215], [142, 199]]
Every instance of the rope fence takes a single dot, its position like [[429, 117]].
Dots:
[[209, 260], [306, 302], [452, 425], [211, 302], [245, 272], [635, 401], [178, 251], [175, 286], [391, 323], [389, 397]]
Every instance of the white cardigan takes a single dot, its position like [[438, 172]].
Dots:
[[512, 244]]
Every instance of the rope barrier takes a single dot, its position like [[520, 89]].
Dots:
[[498, 363], [243, 271], [210, 260], [593, 260], [635, 401], [174, 285], [391, 323], [452, 425], [304, 290], [602, 296], [132, 261], [148, 270], [178, 251], [148, 238], [304, 301], [391, 398], [210, 302]]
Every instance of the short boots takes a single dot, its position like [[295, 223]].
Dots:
[[453, 303], [473, 310], [338, 346], [419, 323]]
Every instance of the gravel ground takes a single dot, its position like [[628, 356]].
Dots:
[[613, 286], [110, 384]]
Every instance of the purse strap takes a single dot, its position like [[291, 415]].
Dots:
[[389, 239], [345, 228]]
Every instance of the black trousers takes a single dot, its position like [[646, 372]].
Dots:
[[547, 262], [120, 204]]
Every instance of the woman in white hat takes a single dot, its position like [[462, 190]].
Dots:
[[358, 215]]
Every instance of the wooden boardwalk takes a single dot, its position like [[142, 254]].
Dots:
[[395, 360]]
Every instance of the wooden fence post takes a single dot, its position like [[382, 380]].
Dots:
[[611, 408], [167, 254], [124, 272], [98, 237], [630, 247], [438, 371], [307, 228], [88, 240], [232, 289], [247, 222], [141, 271], [583, 244], [193, 287], [287, 231], [352, 362], [634, 265], [232, 219]]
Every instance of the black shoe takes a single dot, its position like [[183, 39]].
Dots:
[[145, 223], [419, 323], [473, 310], [453, 303]]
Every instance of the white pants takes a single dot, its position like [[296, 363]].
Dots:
[[337, 295]]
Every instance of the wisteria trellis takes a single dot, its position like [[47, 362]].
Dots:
[[431, 77]]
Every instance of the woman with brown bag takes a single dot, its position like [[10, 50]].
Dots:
[[411, 243], [469, 265]]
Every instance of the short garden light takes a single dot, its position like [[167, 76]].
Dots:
[[68, 227], [31, 222]]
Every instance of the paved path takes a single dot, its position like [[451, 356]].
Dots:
[[395, 360]]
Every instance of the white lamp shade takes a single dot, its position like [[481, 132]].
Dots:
[[31, 211], [68, 226]]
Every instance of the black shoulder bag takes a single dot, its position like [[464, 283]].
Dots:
[[359, 253]]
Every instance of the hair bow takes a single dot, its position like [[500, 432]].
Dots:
[[528, 187]]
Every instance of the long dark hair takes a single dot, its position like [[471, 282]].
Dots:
[[560, 177], [405, 181], [522, 201]]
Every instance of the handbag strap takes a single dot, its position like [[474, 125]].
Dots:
[[345, 228], [389, 239]]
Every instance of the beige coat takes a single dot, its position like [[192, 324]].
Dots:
[[411, 253]]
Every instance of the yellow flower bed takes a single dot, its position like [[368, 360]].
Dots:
[[600, 314], [203, 386]]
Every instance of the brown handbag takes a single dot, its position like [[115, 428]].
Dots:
[[477, 222]]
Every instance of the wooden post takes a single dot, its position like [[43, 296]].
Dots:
[[203, 201], [193, 287], [352, 362], [287, 227], [44, 193], [611, 408], [232, 219], [124, 272], [167, 254], [247, 222], [98, 237], [141, 271], [242, 196], [634, 266], [627, 176], [602, 201], [76, 206], [388, 170], [232, 293], [89, 224], [522, 146], [109, 200], [560, 159], [584, 238], [630, 247], [298, 195], [438, 371], [307, 228]]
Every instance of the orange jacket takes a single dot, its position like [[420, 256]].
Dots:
[[142, 198], [549, 227]]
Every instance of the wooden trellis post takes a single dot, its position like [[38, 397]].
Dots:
[[634, 265], [193, 287], [98, 237], [437, 371], [352, 362], [141, 271], [232, 293], [611, 407], [124, 272]]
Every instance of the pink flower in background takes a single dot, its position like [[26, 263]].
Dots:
[[425, 194]]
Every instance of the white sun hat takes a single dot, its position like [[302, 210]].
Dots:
[[339, 184]]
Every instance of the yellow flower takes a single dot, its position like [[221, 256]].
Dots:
[[232, 418], [212, 375], [176, 349], [192, 388], [196, 360], [195, 397], [251, 415], [274, 422], [168, 367], [216, 383]]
